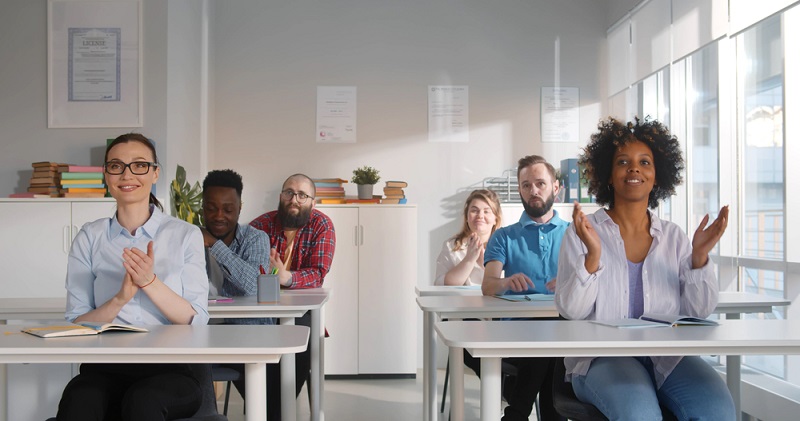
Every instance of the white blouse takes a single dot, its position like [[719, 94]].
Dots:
[[448, 259]]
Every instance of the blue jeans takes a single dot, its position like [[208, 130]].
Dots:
[[623, 388]]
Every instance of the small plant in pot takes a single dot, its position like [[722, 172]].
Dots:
[[365, 177]]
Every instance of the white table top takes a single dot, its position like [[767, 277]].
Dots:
[[292, 304], [463, 306], [162, 344], [581, 338]]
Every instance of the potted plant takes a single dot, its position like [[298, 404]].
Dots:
[[186, 200], [365, 177]]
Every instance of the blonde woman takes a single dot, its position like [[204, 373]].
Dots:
[[461, 260]]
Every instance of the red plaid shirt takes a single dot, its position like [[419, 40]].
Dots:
[[313, 246]]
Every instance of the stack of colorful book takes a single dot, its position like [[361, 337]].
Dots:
[[329, 190], [44, 179], [394, 193], [81, 181]]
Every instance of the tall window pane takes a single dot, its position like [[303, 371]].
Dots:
[[761, 115], [703, 110], [766, 282]]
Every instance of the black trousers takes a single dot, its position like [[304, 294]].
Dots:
[[135, 392], [302, 371], [534, 377]]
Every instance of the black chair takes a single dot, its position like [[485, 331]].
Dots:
[[208, 409], [569, 406], [227, 375]]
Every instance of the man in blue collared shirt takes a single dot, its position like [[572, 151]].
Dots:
[[528, 253]]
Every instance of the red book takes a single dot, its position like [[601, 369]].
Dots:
[[374, 200], [79, 168]]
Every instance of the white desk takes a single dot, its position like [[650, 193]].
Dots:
[[461, 306], [492, 341], [292, 304], [255, 346]]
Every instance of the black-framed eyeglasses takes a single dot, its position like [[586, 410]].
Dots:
[[136, 167], [288, 195]]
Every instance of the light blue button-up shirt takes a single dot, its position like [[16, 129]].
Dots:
[[530, 248], [95, 271]]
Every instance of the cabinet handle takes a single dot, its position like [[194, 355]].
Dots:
[[65, 238], [362, 234], [355, 236]]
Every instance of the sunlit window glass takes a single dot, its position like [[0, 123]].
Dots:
[[761, 114]]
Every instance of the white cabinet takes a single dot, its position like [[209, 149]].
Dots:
[[37, 235], [371, 315]]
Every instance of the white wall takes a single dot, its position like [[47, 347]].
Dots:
[[268, 60], [171, 60]]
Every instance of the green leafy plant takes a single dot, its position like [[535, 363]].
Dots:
[[365, 175], [186, 201]]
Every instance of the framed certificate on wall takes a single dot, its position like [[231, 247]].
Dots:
[[94, 63]]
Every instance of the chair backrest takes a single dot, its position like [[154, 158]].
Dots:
[[208, 409], [565, 401]]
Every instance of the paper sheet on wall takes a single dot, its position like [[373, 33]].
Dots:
[[448, 113], [336, 114], [560, 116]]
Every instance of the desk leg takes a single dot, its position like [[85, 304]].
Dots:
[[490, 389], [3, 388], [429, 368], [457, 384], [288, 394], [255, 401], [733, 369], [316, 388]]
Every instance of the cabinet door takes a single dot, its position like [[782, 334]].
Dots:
[[341, 310], [83, 212], [36, 239], [387, 275]]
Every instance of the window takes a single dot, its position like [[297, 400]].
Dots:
[[760, 113]]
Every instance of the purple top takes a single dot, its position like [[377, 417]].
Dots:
[[636, 294]]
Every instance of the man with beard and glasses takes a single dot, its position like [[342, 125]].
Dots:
[[527, 252], [303, 241]]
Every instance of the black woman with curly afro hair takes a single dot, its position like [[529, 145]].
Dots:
[[623, 261]]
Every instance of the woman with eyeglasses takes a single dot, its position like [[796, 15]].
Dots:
[[139, 267], [623, 261]]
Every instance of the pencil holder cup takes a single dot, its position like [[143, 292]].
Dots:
[[268, 288]]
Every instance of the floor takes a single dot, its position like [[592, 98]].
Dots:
[[384, 400]]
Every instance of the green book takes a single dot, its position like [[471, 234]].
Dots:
[[81, 176]]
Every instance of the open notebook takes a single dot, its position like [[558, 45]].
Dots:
[[79, 329], [657, 320]]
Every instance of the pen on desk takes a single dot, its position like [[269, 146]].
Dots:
[[527, 298], [261, 268]]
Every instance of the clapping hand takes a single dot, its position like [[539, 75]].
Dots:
[[475, 249], [705, 238], [284, 275], [139, 265], [128, 289], [588, 237]]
